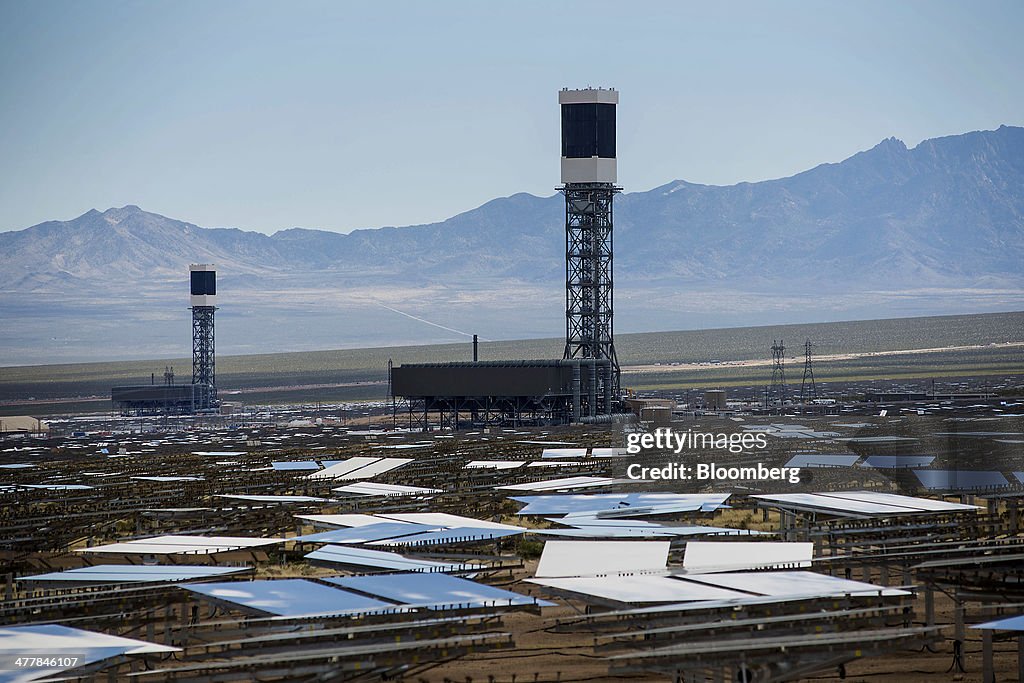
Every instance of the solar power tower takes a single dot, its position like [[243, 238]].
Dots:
[[203, 289], [588, 183]]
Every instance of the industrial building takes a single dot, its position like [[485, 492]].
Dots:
[[584, 385], [656, 412], [183, 399], [161, 399], [714, 399], [23, 424], [523, 392]]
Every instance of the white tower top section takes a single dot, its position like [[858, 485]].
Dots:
[[202, 284], [588, 135], [587, 95]]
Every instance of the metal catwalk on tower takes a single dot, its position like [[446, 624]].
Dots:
[[589, 175], [203, 284]]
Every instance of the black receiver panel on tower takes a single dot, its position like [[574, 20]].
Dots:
[[588, 130], [204, 282]]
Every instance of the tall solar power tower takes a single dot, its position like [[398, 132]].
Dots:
[[588, 183], [203, 284]]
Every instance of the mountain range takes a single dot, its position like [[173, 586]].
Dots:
[[888, 232]]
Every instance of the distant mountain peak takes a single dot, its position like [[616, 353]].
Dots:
[[117, 215], [892, 143], [126, 210], [297, 233], [674, 186]]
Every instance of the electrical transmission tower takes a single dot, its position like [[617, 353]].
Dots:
[[808, 374], [779, 371]]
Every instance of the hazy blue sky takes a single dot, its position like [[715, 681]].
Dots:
[[340, 115]]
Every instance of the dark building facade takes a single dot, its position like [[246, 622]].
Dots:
[[524, 392]]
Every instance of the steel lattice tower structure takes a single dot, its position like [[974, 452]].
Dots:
[[589, 177], [808, 373], [203, 281], [779, 370]]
